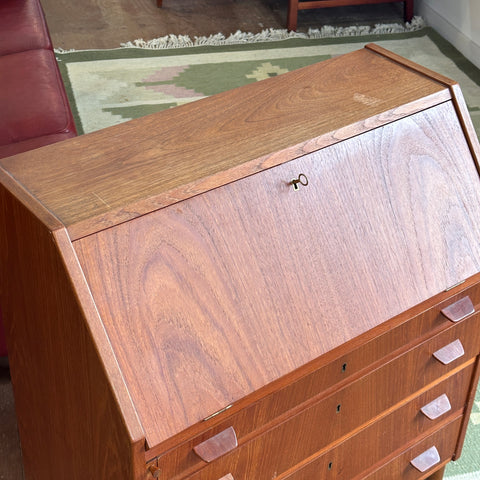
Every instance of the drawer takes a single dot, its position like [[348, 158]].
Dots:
[[316, 428], [258, 416], [444, 441]]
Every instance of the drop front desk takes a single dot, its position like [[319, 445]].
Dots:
[[277, 282]]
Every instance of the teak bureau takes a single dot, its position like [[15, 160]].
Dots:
[[278, 282]]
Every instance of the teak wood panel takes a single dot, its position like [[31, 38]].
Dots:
[[294, 442], [338, 415], [398, 466], [74, 415], [214, 297], [331, 372], [166, 157]]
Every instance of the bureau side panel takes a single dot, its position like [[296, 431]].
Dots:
[[70, 423]]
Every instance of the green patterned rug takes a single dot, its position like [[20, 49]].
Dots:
[[111, 86]]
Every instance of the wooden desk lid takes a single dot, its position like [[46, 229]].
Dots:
[[116, 174], [213, 298]]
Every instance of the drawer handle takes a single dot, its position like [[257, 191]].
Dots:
[[426, 460], [437, 407], [459, 310], [154, 471], [450, 352], [217, 446]]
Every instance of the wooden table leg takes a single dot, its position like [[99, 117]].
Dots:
[[292, 15], [438, 475], [408, 10]]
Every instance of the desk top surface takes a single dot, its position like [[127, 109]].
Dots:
[[110, 176]]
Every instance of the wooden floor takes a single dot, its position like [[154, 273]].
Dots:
[[91, 24]]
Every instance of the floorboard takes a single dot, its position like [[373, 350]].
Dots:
[[92, 24]]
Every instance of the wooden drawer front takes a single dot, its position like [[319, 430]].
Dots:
[[444, 440], [412, 371], [305, 435], [394, 336]]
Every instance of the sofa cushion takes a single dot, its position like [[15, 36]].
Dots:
[[23, 26], [33, 99]]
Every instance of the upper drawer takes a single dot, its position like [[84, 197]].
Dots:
[[215, 297]]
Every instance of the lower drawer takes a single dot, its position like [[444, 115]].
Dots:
[[285, 448], [444, 441]]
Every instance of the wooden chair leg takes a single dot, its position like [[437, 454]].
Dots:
[[438, 475], [159, 3], [292, 15], [408, 10]]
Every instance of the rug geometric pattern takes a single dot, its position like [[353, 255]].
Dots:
[[112, 86]]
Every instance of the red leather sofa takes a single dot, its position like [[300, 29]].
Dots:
[[34, 109]]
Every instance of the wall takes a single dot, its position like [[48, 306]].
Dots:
[[458, 21]]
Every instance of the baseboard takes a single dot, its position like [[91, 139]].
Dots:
[[450, 32]]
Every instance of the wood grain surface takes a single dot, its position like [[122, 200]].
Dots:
[[399, 466], [99, 24], [335, 370], [266, 456], [200, 296], [75, 417], [163, 290], [181, 152]]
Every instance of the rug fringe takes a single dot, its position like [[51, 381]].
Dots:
[[270, 35]]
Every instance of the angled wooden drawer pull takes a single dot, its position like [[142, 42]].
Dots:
[[219, 445], [437, 407], [450, 352], [154, 471], [426, 460], [459, 310]]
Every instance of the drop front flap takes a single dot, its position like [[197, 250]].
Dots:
[[210, 299]]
